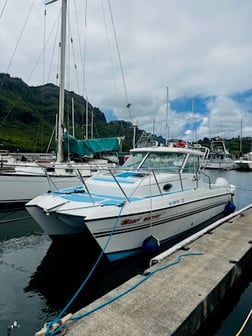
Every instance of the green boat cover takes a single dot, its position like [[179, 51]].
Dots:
[[90, 146]]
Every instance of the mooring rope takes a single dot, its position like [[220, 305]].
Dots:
[[244, 323], [138, 283], [116, 297], [57, 319]]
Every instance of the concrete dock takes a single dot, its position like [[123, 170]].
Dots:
[[176, 295]]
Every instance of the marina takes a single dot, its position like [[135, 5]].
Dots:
[[34, 285], [109, 235]]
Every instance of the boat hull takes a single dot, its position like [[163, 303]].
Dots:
[[243, 165], [20, 188], [121, 230], [23, 182], [220, 165]]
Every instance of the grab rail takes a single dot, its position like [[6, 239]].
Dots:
[[85, 185], [208, 177], [179, 182], [154, 175], [119, 186], [152, 172]]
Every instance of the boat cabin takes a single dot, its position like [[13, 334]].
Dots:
[[165, 159]]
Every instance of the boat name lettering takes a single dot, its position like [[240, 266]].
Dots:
[[130, 221], [148, 218]]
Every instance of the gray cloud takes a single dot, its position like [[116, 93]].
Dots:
[[194, 47]]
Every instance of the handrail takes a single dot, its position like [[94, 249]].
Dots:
[[85, 185], [154, 175], [180, 178], [50, 181], [127, 198], [50, 177], [208, 177], [178, 173]]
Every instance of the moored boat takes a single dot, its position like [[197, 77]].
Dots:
[[158, 195], [219, 157], [22, 180], [244, 163]]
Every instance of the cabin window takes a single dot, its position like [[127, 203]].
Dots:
[[164, 162], [192, 164], [69, 170], [134, 160]]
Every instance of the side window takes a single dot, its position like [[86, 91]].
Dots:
[[179, 160], [152, 162], [134, 160], [192, 164]]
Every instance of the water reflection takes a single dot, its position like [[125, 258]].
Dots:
[[22, 246], [65, 267], [16, 223]]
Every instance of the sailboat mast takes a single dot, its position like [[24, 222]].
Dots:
[[73, 121], [167, 116], [86, 118], [241, 139], [60, 153]]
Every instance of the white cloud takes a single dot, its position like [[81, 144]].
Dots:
[[194, 47]]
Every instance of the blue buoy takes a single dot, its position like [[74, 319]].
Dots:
[[229, 208], [150, 244]]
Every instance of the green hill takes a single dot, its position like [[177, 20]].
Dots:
[[28, 114]]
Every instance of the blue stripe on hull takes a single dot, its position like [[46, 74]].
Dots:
[[116, 256]]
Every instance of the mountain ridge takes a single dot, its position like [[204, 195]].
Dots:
[[28, 114]]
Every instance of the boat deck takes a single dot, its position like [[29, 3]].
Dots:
[[78, 195]]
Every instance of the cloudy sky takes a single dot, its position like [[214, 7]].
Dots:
[[137, 51]]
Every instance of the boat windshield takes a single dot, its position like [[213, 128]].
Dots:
[[162, 162], [134, 160]]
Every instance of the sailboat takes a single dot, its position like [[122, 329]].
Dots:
[[23, 181]]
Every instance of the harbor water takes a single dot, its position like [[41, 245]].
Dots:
[[39, 278]]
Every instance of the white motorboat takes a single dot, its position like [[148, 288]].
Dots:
[[157, 195], [244, 163], [219, 157]]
